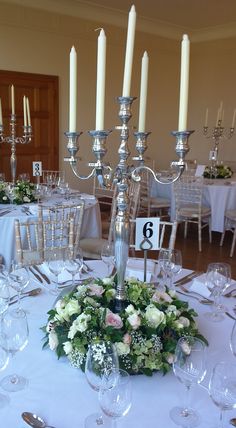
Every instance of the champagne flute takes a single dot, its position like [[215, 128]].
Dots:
[[108, 256], [170, 262], [218, 278], [115, 395], [13, 338], [190, 368], [101, 357], [222, 388]]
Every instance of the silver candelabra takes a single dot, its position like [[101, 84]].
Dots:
[[217, 134], [122, 174], [13, 140]]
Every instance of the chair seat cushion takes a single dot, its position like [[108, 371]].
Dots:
[[231, 215], [92, 247], [159, 203], [192, 211]]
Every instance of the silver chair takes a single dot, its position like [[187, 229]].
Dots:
[[230, 224], [188, 205]]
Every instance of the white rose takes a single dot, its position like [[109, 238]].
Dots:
[[170, 358], [53, 340], [130, 309], [172, 310], [72, 307], [107, 281], [184, 321], [67, 347], [80, 324], [134, 320], [153, 316], [122, 348], [4, 198], [26, 199]]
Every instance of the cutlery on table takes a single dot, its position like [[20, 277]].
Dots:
[[35, 274], [43, 275], [34, 421], [30, 293], [230, 316], [204, 301], [187, 278]]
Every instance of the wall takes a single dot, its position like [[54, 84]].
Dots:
[[40, 42]]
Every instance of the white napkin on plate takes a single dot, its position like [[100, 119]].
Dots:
[[199, 286], [135, 269]]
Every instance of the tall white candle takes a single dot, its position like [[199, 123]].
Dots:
[[28, 111], [0, 112], [233, 120], [206, 118], [143, 93], [12, 99], [101, 77], [221, 109], [184, 83], [24, 110], [73, 90], [129, 52], [217, 117]]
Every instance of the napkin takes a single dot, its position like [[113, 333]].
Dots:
[[199, 286], [63, 276], [135, 269]]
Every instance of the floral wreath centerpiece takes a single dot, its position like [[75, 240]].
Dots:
[[24, 192], [222, 171], [145, 333]]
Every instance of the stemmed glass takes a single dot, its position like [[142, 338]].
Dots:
[[10, 191], [73, 263], [14, 337], [56, 266], [190, 368], [18, 279], [4, 357], [218, 278], [108, 256], [115, 396], [170, 262], [222, 388], [233, 340], [101, 357]]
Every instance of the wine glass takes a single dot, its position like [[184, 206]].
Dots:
[[4, 357], [73, 263], [10, 191], [170, 262], [115, 394], [190, 368], [233, 340], [218, 278], [56, 266], [14, 337], [108, 256], [222, 388], [101, 357], [18, 280]]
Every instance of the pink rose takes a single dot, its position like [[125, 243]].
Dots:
[[127, 339], [95, 290], [113, 320]]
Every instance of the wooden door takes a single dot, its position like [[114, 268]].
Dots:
[[42, 92]]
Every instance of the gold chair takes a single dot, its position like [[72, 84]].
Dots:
[[230, 224], [150, 205], [188, 205]]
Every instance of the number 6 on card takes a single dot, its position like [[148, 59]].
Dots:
[[147, 233]]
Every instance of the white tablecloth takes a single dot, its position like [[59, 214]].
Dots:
[[218, 194], [61, 395], [91, 225]]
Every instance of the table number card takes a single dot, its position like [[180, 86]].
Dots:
[[147, 233], [37, 169]]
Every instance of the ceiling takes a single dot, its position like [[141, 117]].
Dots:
[[201, 19]]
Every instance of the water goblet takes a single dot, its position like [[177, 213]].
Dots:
[[73, 263], [190, 368], [222, 388], [115, 396], [108, 256], [233, 340], [18, 280], [218, 278], [101, 357], [4, 303], [24, 177], [13, 338], [10, 192], [170, 262], [56, 266]]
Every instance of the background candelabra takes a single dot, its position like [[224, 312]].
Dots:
[[122, 174], [217, 134]]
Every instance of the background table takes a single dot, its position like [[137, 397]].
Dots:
[[218, 194], [61, 395], [91, 224]]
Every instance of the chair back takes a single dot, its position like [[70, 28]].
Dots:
[[104, 195], [188, 194], [37, 241]]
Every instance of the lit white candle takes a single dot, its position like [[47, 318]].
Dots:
[[28, 111], [12, 99], [233, 120], [24, 110], [184, 83], [206, 118], [101, 77], [0, 112], [221, 109], [143, 93], [129, 52], [73, 90]]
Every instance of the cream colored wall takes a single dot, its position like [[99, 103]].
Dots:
[[39, 42]]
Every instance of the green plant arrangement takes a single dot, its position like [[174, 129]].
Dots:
[[145, 333], [218, 171], [23, 193]]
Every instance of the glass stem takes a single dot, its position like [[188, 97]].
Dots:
[[222, 414], [187, 400], [18, 300], [73, 279]]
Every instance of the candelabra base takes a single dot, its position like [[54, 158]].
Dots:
[[119, 305]]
